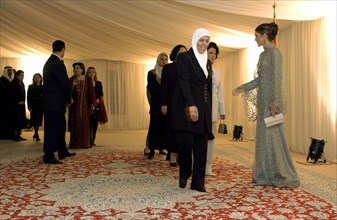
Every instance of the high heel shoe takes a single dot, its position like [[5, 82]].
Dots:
[[182, 183], [36, 137], [200, 189], [146, 151], [173, 159]]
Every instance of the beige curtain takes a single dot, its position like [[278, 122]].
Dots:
[[124, 86], [311, 95]]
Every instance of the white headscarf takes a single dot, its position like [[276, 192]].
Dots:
[[158, 67], [202, 58], [5, 74]]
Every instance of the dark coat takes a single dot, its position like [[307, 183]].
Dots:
[[18, 91], [168, 84], [98, 89], [154, 88], [6, 110], [18, 94], [34, 101], [56, 86], [34, 97], [192, 89]]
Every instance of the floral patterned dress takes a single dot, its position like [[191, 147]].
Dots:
[[273, 164], [83, 95]]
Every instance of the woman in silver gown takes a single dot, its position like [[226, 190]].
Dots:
[[272, 164]]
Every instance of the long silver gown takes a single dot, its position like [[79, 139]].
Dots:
[[272, 164]]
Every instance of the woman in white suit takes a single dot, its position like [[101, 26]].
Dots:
[[217, 104]]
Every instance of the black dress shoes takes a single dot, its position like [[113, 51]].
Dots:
[[151, 155], [182, 183], [200, 189], [53, 161], [61, 157], [174, 164], [22, 139]]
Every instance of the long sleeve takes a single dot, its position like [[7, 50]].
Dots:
[[250, 85], [221, 105], [91, 92], [98, 89], [164, 86], [217, 97], [29, 96], [277, 97], [183, 80]]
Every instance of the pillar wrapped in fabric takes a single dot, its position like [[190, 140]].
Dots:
[[316, 150]]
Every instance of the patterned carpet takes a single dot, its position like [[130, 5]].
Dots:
[[125, 185]]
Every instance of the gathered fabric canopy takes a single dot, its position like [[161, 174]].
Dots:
[[137, 31]]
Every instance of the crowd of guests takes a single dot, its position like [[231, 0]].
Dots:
[[13, 99], [181, 97], [186, 97], [186, 102], [85, 110]]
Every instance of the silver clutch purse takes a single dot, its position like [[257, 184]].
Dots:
[[271, 121]]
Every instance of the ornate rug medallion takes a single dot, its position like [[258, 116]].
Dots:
[[125, 185]]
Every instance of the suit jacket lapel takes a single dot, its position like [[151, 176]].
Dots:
[[210, 71], [195, 65]]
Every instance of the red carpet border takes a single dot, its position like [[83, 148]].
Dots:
[[125, 185]]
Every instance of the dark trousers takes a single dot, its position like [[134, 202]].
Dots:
[[54, 135], [93, 126], [191, 143], [155, 133], [169, 142]]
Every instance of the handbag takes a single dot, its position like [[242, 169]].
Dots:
[[222, 127], [271, 121]]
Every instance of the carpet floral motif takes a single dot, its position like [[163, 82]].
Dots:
[[125, 185]]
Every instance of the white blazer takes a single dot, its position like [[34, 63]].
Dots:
[[217, 97]]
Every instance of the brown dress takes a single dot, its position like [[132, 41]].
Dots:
[[83, 95]]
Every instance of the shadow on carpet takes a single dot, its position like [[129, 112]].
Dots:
[[125, 185]]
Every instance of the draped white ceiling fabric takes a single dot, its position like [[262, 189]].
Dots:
[[136, 31]]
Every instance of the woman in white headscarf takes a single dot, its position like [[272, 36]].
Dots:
[[192, 116]]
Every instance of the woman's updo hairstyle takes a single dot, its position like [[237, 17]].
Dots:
[[270, 29]]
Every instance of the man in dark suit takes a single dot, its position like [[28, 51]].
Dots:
[[192, 105], [6, 110], [56, 97]]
